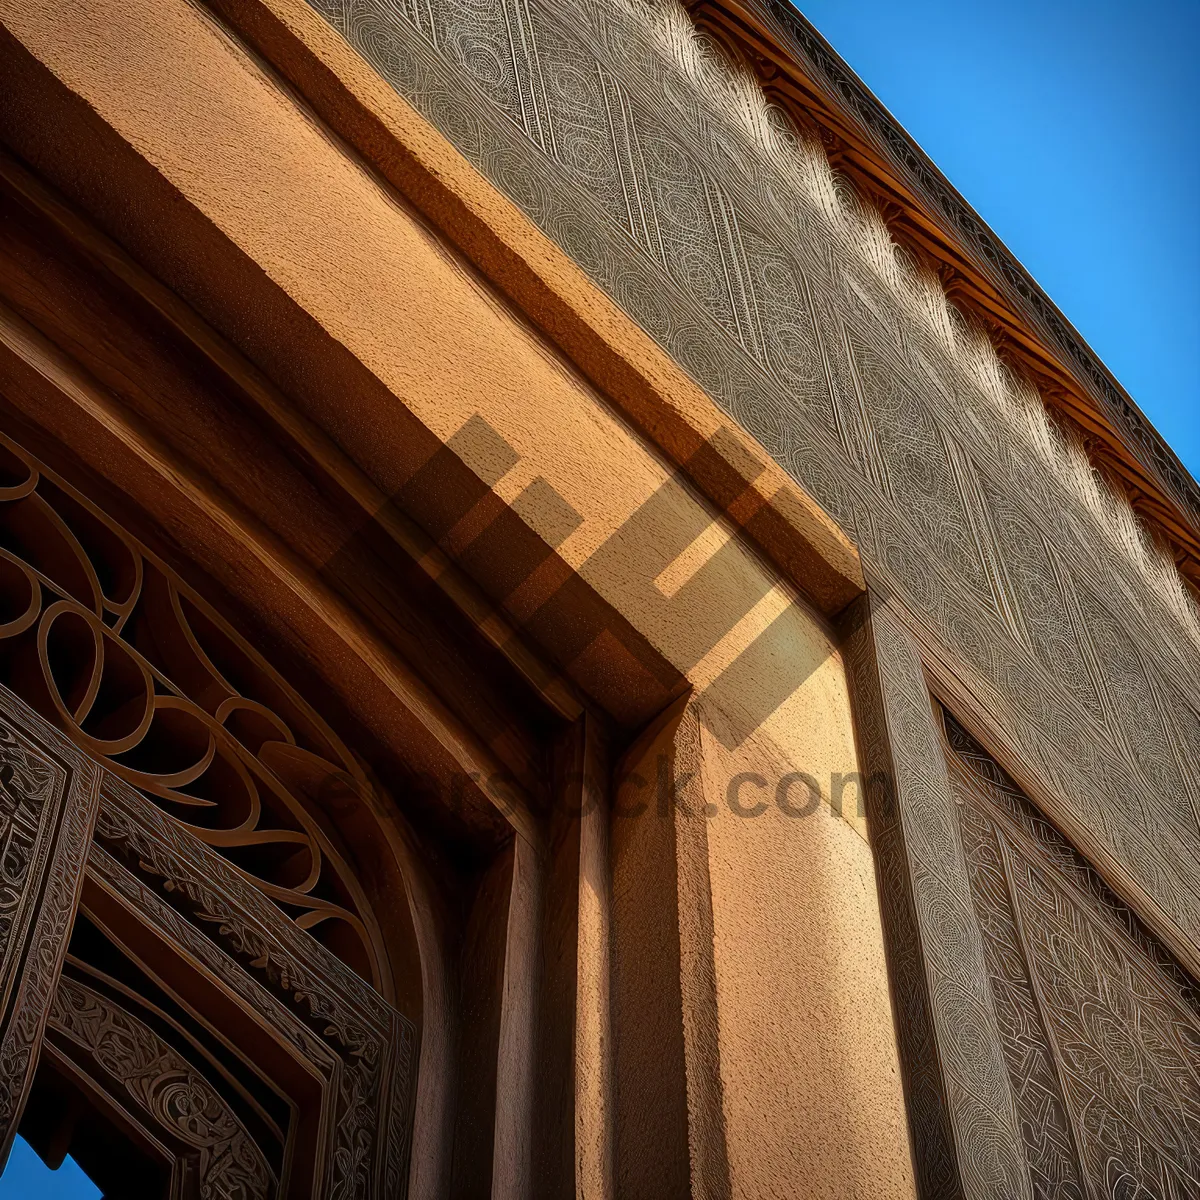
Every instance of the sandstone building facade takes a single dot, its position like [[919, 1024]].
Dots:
[[570, 623]]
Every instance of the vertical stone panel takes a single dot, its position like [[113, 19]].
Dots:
[[961, 1108], [650, 1092], [48, 798], [1099, 1024]]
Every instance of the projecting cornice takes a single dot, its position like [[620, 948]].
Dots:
[[799, 69]]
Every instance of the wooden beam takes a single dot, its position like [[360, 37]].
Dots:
[[277, 560]]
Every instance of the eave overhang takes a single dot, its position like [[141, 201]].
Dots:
[[799, 70]]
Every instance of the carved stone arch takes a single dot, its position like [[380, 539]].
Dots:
[[198, 1040], [108, 643], [82, 597], [167, 1102]]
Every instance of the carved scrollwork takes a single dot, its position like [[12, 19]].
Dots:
[[373, 1042], [167, 1089], [110, 645]]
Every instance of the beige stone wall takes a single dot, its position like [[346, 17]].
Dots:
[[768, 926], [796, 1025], [808, 1057]]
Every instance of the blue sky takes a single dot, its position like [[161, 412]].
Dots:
[[1070, 126], [26, 1178]]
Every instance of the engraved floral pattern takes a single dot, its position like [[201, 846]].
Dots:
[[1100, 1028]]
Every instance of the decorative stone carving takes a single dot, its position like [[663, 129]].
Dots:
[[48, 798], [203, 907], [961, 1107], [372, 1043], [166, 1089], [1100, 1027], [144, 676]]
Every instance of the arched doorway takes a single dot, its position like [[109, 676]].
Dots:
[[283, 710], [198, 990]]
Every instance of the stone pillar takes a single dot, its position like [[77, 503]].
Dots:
[[755, 1049], [964, 1124]]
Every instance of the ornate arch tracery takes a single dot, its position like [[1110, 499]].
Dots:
[[108, 643], [249, 988]]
